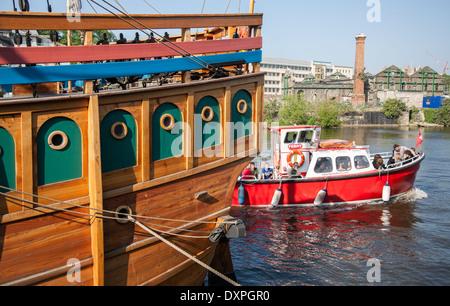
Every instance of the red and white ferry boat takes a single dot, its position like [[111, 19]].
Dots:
[[332, 171]]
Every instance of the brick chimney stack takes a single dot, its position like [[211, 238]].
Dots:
[[359, 96]]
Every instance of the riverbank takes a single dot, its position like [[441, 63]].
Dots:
[[377, 118]]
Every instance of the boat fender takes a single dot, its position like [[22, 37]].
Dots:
[[320, 197], [276, 197], [241, 195], [386, 193]]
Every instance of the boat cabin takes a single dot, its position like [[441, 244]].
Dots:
[[343, 161], [294, 144], [300, 146]]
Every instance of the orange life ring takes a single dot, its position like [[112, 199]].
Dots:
[[300, 153]]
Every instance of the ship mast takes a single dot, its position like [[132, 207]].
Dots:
[[252, 6]]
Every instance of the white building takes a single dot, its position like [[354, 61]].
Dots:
[[302, 71]]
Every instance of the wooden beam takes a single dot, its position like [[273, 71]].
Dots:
[[43, 74], [60, 21], [189, 132], [146, 140], [228, 143], [42, 55], [27, 157], [95, 191]]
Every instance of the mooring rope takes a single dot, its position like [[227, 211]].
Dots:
[[101, 210], [198, 261]]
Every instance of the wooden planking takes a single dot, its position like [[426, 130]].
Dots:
[[62, 54], [28, 245], [95, 190], [60, 21], [173, 200], [42, 74]]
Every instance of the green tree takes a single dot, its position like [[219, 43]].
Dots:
[[294, 110], [393, 108], [271, 110], [443, 114], [328, 113]]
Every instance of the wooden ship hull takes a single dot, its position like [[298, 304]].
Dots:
[[88, 178]]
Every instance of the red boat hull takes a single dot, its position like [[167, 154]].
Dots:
[[340, 189]]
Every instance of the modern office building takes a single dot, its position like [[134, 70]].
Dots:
[[277, 70]]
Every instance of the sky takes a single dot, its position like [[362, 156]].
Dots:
[[399, 32]]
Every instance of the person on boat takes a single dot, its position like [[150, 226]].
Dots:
[[254, 170], [295, 170], [407, 157], [247, 174], [378, 162], [397, 158], [267, 172], [400, 149]]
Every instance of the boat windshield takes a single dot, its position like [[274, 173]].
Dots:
[[290, 137], [305, 136]]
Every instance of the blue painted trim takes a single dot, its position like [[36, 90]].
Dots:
[[42, 74]]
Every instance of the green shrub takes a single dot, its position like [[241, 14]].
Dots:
[[393, 108], [271, 110], [294, 110], [443, 114], [329, 113], [430, 115]]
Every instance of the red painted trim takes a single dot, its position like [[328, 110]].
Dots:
[[35, 55]]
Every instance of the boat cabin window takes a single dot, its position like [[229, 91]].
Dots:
[[290, 137], [361, 162], [305, 136], [323, 165], [343, 163]]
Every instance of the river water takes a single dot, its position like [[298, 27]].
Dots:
[[406, 242]]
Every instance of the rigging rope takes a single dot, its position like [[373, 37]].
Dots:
[[188, 55], [153, 232], [109, 217], [152, 6], [198, 261], [98, 209]]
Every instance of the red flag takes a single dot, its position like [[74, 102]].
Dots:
[[419, 139]]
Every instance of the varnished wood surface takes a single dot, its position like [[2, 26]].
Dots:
[[59, 21]]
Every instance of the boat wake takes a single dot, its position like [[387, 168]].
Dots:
[[413, 195]]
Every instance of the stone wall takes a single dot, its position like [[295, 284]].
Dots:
[[373, 118]]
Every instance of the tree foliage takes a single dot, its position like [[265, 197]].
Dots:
[[443, 114], [295, 110], [271, 110], [393, 108]]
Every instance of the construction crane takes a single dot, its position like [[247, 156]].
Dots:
[[445, 67]]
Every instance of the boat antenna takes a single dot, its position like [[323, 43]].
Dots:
[[163, 41]]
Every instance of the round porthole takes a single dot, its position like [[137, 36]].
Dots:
[[207, 114], [119, 130], [122, 214], [58, 140], [167, 122], [242, 106]]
